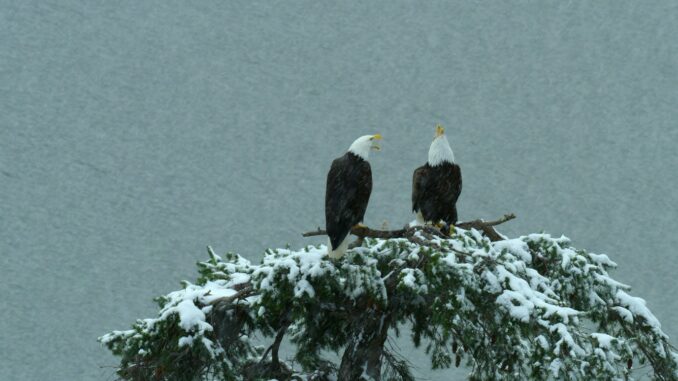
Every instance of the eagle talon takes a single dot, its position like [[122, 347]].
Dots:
[[359, 225], [444, 228]]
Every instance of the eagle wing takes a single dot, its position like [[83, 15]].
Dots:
[[419, 179], [455, 175]]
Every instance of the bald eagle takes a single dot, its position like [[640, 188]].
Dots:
[[349, 184], [437, 184]]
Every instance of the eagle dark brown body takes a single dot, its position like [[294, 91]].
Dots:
[[349, 184], [435, 191]]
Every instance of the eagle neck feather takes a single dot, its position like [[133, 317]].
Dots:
[[440, 152], [361, 147]]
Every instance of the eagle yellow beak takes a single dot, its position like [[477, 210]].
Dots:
[[375, 146], [440, 130]]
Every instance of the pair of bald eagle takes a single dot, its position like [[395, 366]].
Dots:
[[435, 189]]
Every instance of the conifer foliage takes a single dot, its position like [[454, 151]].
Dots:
[[529, 308]]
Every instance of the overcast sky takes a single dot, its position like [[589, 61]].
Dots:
[[135, 133]]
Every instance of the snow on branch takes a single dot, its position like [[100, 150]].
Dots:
[[528, 308]]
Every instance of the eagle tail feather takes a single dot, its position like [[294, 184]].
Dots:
[[338, 252]]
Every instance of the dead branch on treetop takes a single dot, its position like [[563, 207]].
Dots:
[[487, 227]]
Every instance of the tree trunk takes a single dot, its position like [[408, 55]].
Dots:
[[364, 352]]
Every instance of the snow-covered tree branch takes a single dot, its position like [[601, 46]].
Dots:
[[529, 308]]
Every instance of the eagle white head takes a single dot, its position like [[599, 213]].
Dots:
[[364, 144], [440, 150]]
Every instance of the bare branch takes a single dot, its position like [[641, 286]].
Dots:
[[479, 224], [364, 231], [487, 227]]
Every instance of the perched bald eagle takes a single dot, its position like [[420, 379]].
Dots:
[[437, 184], [349, 184]]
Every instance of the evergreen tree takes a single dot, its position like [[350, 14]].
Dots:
[[529, 308]]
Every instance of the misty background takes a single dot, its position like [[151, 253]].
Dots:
[[135, 133]]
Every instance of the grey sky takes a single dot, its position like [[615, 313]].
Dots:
[[134, 133]]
